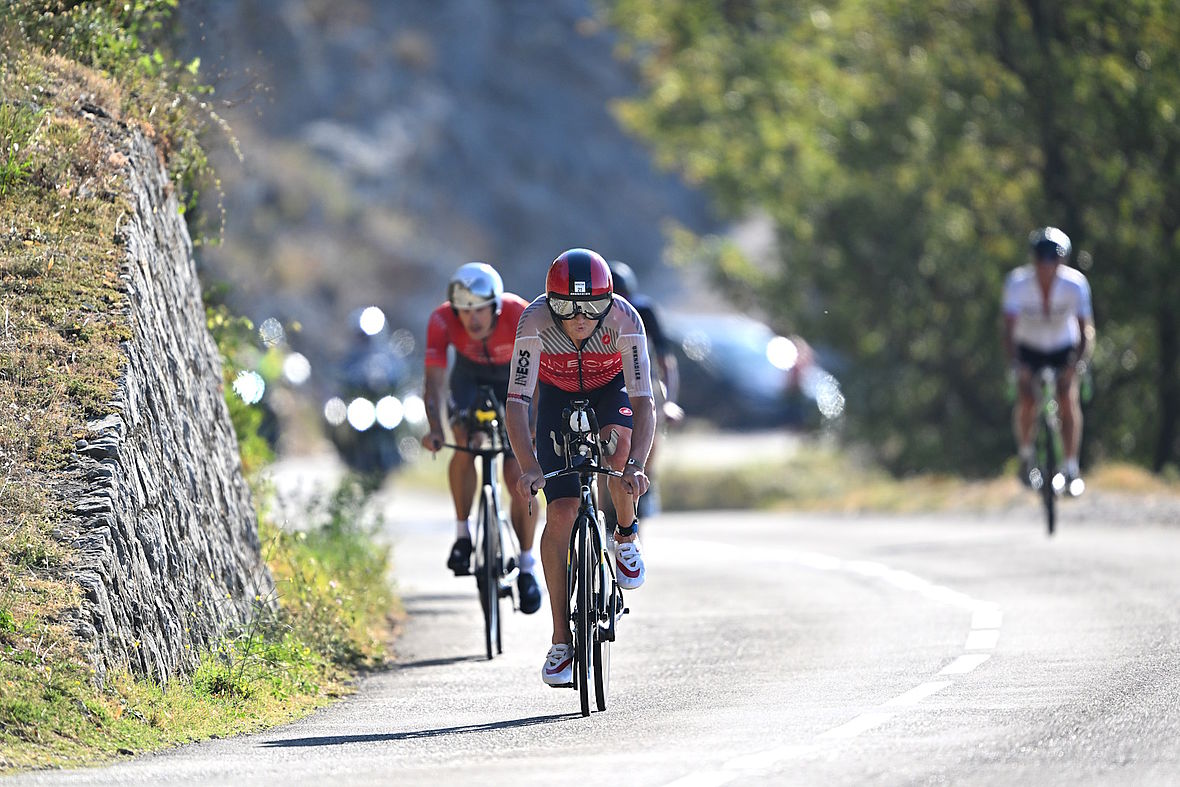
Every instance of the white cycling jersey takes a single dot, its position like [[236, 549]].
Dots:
[[1047, 327]]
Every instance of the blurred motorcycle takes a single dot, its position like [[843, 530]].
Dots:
[[374, 420]]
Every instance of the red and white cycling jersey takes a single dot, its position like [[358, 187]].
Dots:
[[1047, 326], [444, 329], [543, 351]]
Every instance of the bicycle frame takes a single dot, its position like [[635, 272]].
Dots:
[[592, 611], [494, 564]]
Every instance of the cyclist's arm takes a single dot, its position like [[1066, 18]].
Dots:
[[1009, 343], [1085, 324], [637, 376], [522, 384], [432, 396]]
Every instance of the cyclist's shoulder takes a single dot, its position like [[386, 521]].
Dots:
[[1019, 275], [533, 316], [513, 303], [624, 317], [442, 316], [1073, 276]]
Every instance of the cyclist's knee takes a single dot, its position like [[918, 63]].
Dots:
[[622, 444]]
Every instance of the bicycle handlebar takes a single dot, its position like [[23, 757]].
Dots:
[[477, 451], [587, 469]]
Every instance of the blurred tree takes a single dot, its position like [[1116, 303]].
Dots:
[[904, 151]]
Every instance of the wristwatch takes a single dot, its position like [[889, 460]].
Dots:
[[632, 462]]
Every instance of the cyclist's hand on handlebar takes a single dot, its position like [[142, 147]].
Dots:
[[636, 481], [433, 441], [530, 482]]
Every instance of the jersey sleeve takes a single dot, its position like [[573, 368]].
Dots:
[[525, 364], [1011, 303], [437, 339], [1085, 305], [633, 350]]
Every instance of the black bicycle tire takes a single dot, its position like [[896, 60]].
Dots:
[[1048, 474], [490, 592], [601, 643], [586, 620]]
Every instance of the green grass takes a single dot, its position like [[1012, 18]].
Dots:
[[821, 477], [331, 615]]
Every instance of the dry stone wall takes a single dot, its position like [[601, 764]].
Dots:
[[168, 551]]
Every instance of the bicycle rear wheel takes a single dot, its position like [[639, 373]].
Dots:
[[1048, 474], [602, 612], [487, 574], [585, 619]]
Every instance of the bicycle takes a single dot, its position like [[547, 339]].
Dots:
[[593, 594], [1046, 477], [496, 553]]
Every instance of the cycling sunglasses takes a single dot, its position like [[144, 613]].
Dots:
[[565, 308]]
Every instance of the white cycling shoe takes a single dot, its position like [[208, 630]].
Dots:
[[629, 569], [558, 670]]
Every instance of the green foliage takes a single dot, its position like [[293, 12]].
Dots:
[[903, 152], [17, 126], [329, 614], [128, 42]]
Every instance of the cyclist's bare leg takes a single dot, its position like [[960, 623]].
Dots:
[[555, 540], [623, 501], [524, 521], [1069, 402], [1025, 412], [461, 474]]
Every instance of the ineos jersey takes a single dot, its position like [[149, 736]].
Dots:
[[444, 329], [543, 351], [1053, 325]]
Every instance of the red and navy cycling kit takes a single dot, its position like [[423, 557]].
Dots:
[[477, 362], [607, 369]]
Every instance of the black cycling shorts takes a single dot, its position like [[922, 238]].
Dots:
[[466, 377], [1036, 360], [611, 405]]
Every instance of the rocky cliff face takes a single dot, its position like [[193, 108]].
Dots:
[[167, 540], [386, 143]]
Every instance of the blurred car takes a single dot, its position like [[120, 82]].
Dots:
[[738, 373]]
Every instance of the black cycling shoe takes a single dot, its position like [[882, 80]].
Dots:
[[1024, 473], [460, 559], [530, 593]]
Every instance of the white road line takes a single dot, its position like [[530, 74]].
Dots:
[[862, 723], [917, 694], [964, 664], [985, 633], [982, 639], [986, 616]]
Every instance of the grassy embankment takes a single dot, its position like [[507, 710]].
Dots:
[[62, 317]]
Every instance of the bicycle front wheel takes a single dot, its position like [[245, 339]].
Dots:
[[1048, 473], [603, 611], [585, 617], [487, 575]]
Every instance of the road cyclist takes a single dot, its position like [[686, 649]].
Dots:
[[580, 341], [665, 369], [480, 321], [1048, 323]]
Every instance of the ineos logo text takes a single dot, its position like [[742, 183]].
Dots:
[[522, 367]]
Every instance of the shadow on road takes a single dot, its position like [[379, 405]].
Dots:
[[439, 662], [466, 729]]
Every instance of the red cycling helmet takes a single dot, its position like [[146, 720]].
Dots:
[[579, 280]]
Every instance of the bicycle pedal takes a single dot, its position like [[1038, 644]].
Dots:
[[626, 611]]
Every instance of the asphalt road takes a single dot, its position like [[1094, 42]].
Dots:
[[771, 649]]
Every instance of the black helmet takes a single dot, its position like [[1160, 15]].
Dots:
[[1049, 242], [626, 283]]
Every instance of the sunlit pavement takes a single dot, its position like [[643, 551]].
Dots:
[[776, 649]]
